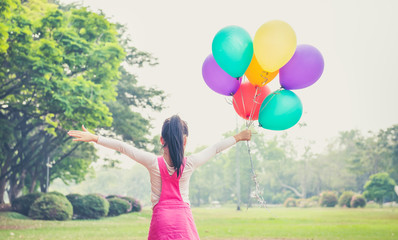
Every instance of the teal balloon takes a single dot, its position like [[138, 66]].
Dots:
[[232, 49], [280, 110]]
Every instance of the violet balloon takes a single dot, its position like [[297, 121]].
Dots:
[[303, 69], [217, 79]]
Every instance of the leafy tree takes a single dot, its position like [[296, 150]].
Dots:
[[6, 6], [388, 142], [379, 186], [62, 68]]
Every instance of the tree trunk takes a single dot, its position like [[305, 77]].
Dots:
[[300, 195], [249, 199], [16, 185], [4, 169], [33, 184], [3, 183]]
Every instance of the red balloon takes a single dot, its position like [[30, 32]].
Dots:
[[247, 100]]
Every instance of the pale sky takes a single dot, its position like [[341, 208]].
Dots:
[[358, 41]]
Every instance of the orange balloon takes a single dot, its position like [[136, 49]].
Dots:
[[257, 75]]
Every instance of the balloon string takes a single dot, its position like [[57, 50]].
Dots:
[[269, 100], [243, 103], [257, 191], [264, 77], [230, 102], [255, 102]]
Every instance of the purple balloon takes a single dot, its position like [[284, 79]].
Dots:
[[217, 79], [303, 69]]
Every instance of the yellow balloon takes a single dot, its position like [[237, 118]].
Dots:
[[274, 44], [257, 75]]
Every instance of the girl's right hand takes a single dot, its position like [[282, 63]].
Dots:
[[83, 136], [245, 135]]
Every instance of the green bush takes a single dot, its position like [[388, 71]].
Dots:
[[56, 193], [290, 202], [77, 202], [94, 206], [345, 199], [118, 206], [307, 203], [379, 186], [23, 203], [113, 196], [51, 207], [314, 198], [135, 204], [328, 199], [358, 201]]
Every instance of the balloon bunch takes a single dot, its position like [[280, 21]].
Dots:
[[273, 51]]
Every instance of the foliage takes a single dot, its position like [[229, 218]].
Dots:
[[77, 203], [94, 207], [56, 193], [51, 207], [328, 199], [118, 206], [345, 199], [135, 204], [307, 202], [23, 203], [378, 187], [290, 202], [358, 201], [62, 68], [388, 145]]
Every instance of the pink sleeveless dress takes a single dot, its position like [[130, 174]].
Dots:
[[172, 217]]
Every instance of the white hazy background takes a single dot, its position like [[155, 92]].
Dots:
[[358, 40]]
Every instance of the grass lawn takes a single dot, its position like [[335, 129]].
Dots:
[[221, 223]]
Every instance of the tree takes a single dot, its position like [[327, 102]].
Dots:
[[379, 186], [63, 68], [388, 142]]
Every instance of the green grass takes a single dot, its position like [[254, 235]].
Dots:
[[221, 223]]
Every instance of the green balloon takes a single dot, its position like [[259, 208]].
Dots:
[[232, 48], [280, 110]]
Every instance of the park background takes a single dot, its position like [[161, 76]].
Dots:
[[348, 131]]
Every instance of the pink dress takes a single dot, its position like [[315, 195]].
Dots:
[[172, 217]]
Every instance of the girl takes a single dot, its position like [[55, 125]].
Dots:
[[169, 175]]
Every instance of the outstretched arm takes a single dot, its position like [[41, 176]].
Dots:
[[145, 158], [83, 136], [203, 156]]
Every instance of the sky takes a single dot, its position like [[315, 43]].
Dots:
[[358, 41]]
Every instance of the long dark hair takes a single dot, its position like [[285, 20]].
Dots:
[[173, 132]]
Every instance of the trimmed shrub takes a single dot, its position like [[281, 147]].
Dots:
[[51, 207], [118, 206], [23, 203], [113, 196], [135, 204], [290, 202], [358, 201], [314, 198], [345, 199], [77, 202], [328, 199], [306, 203], [56, 193], [94, 206]]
